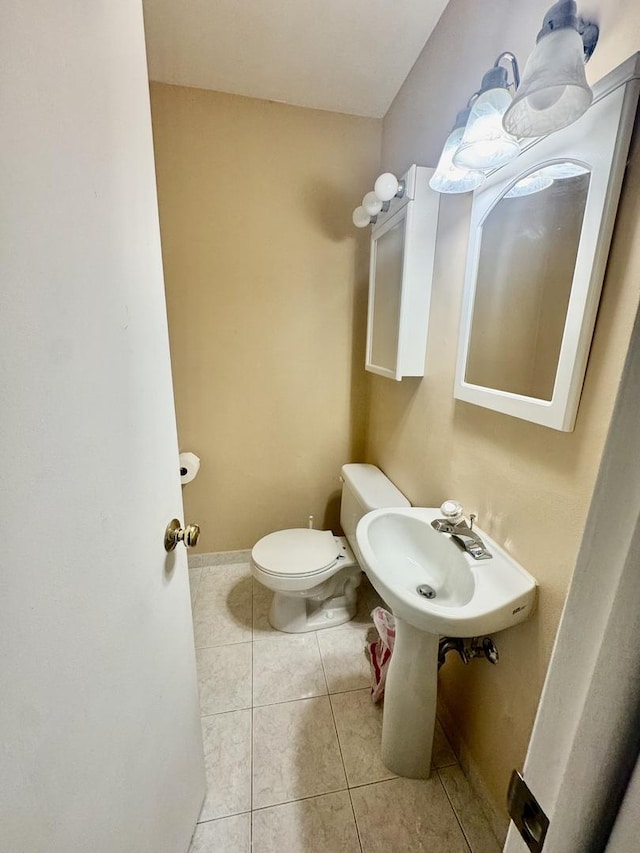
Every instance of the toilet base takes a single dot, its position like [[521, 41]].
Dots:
[[296, 615]]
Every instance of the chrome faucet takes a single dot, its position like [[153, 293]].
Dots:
[[454, 523]]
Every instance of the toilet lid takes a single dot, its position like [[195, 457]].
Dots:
[[296, 552]]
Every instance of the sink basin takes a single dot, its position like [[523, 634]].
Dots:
[[401, 551]]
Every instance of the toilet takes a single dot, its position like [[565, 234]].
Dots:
[[315, 575]]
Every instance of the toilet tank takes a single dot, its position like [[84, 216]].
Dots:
[[365, 487]]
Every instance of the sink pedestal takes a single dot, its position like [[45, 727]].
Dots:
[[409, 714]]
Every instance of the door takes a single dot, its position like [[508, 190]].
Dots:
[[100, 741], [586, 737]]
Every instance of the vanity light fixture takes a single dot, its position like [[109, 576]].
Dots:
[[378, 200], [485, 144], [554, 91], [447, 177]]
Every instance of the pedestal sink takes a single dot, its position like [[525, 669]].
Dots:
[[400, 553]]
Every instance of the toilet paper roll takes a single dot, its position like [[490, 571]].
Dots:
[[189, 467]]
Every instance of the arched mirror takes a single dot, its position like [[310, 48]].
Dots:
[[540, 233]]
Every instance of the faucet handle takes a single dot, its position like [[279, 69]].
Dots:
[[452, 511]]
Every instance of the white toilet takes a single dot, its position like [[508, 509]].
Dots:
[[314, 574]]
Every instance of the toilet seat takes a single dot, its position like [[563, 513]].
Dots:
[[296, 553]]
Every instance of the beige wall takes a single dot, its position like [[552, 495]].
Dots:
[[530, 485], [266, 288]]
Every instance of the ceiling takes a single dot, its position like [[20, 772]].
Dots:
[[349, 56]]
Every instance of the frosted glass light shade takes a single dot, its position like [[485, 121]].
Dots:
[[554, 91], [485, 144], [448, 178]]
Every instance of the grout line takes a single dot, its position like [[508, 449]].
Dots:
[[455, 813], [302, 799], [351, 690], [344, 769], [223, 645], [377, 782], [224, 817], [355, 820]]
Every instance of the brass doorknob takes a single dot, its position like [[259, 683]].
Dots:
[[174, 534]]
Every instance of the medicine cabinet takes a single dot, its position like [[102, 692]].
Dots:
[[403, 241], [540, 233]]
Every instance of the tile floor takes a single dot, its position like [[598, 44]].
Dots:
[[292, 740]]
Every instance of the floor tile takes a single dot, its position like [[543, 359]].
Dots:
[[224, 678], [318, 825], [222, 612], [359, 724], [219, 558], [408, 815], [227, 752], [194, 582], [226, 835], [287, 667], [219, 580], [343, 658], [295, 752], [469, 811]]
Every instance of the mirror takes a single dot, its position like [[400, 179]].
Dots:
[[533, 229], [402, 250], [540, 233]]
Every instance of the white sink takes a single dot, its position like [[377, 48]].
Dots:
[[400, 552]]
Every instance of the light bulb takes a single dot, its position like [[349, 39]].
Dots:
[[361, 218], [372, 204], [386, 186]]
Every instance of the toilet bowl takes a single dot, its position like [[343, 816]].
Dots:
[[314, 574]]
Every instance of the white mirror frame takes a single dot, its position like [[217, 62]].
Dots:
[[417, 214], [600, 139]]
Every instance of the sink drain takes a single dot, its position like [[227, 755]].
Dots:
[[426, 591]]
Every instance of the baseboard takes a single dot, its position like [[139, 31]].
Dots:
[[498, 821], [218, 558]]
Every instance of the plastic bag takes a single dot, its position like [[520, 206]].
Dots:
[[379, 649]]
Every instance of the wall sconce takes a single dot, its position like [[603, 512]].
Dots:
[[447, 177], [386, 187], [554, 91], [485, 143], [553, 94]]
